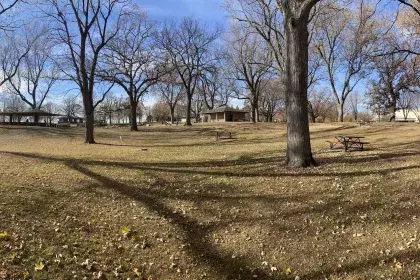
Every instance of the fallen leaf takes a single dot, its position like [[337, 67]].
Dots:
[[4, 235], [39, 266], [125, 230], [288, 270], [136, 272]]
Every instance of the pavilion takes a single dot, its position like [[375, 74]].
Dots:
[[35, 114], [224, 114]]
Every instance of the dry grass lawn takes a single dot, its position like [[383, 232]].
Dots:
[[190, 207]]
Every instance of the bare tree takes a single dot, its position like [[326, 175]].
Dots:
[[321, 105], [160, 112], [37, 73], [415, 6], [71, 106], [189, 46], [13, 103], [114, 105], [132, 60], [197, 106], [345, 48], [396, 73], [283, 24], [6, 6], [171, 91], [85, 27], [52, 108], [354, 106], [251, 65], [408, 26], [215, 88], [405, 104], [271, 99]]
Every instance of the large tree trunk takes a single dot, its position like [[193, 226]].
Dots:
[[172, 114], [299, 152], [36, 118], [188, 122], [133, 115], [253, 111], [90, 119], [340, 112], [392, 109], [255, 108], [89, 139], [253, 114]]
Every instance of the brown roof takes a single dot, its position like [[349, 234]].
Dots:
[[224, 109]]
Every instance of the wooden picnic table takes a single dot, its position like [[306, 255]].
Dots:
[[348, 141], [223, 135]]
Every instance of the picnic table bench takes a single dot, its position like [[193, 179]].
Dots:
[[348, 142], [365, 123], [223, 135]]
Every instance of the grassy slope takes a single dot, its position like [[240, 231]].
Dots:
[[204, 209]]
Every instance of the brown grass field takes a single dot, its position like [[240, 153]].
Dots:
[[191, 207]]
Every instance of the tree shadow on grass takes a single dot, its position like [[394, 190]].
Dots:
[[195, 233], [193, 168]]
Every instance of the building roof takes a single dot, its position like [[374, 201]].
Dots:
[[31, 113], [224, 109], [70, 117]]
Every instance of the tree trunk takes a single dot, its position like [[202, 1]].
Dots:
[[253, 113], [254, 108], [188, 122], [90, 119], [89, 139], [340, 110], [299, 152], [172, 115], [312, 116], [392, 109], [133, 116], [257, 113]]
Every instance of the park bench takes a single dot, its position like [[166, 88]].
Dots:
[[223, 135], [348, 142]]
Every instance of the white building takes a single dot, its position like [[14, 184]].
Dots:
[[407, 115]]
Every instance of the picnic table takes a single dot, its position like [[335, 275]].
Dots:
[[348, 142], [223, 135], [365, 123]]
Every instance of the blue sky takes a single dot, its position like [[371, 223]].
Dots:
[[209, 11], [206, 10]]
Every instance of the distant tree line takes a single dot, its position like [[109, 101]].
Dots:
[[297, 61]]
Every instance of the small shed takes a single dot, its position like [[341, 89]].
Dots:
[[224, 114]]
